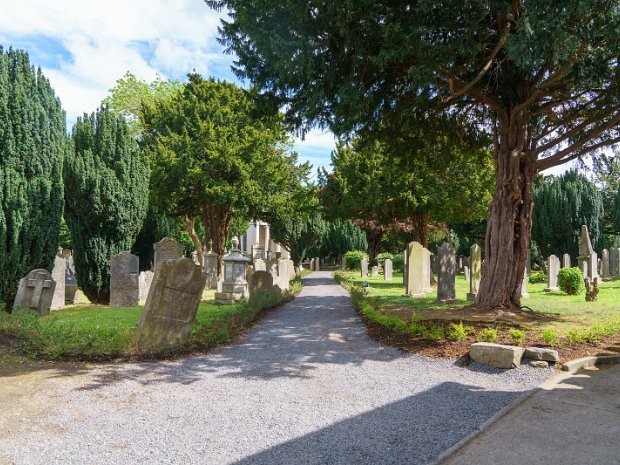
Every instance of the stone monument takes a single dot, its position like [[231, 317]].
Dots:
[[587, 259], [387, 269], [58, 275], [553, 267], [210, 267], [416, 280], [234, 287], [260, 280], [364, 267], [124, 280], [145, 280], [475, 261], [35, 292], [166, 249], [374, 271], [605, 274], [446, 273], [566, 261]]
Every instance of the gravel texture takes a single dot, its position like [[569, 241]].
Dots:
[[305, 386]]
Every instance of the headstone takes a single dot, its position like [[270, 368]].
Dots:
[[210, 268], [460, 263], [317, 264], [387, 269], [257, 252], [605, 265], [260, 280], [614, 262], [417, 281], [145, 279], [195, 258], [405, 266], [374, 271], [234, 287], [524, 292], [35, 292], [260, 265], [172, 303], [467, 273], [566, 261], [587, 254], [553, 267], [475, 260], [427, 274], [124, 280], [446, 273], [58, 275], [364, 266], [283, 276], [166, 249]]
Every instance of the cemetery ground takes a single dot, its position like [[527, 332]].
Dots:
[[101, 333], [569, 324]]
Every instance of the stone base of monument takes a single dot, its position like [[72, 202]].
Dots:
[[232, 292], [446, 301], [471, 295], [552, 289]]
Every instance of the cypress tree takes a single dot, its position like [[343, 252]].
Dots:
[[33, 143], [562, 205], [106, 193]]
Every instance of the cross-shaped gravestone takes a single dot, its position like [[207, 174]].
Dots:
[[36, 291], [39, 283]]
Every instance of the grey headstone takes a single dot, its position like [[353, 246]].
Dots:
[[58, 275], [145, 280], [605, 264], [446, 273], [467, 273], [166, 249], [374, 271], [364, 266], [475, 260], [587, 255], [210, 260], [124, 280], [553, 268], [524, 292], [35, 292], [614, 262], [260, 280], [566, 261], [172, 303], [387, 269], [260, 265], [417, 280], [427, 274]]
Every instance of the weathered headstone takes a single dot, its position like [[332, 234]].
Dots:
[[427, 274], [614, 262], [387, 269], [282, 276], [260, 280], [553, 267], [35, 292], [210, 268], [124, 280], [587, 254], [524, 292], [172, 303], [261, 265], [317, 264], [344, 263], [446, 273], [417, 282], [374, 271], [58, 275], [166, 249], [475, 260], [605, 264], [364, 267], [467, 272], [405, 266], [145, 280], [566, 261], [257, 252], [234, 287]]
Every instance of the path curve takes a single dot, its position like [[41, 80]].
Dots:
[[304, 386]]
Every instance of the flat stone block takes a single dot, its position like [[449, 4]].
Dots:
[[537, 353], [496, 355]]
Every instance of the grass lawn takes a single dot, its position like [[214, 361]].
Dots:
[[565, 319]]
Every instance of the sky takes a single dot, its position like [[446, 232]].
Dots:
[[84, 46]]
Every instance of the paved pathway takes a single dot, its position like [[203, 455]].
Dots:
[[305, 386]]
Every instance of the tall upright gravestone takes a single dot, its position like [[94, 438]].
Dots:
[[427, 273], [446, 273], [364, 268], [475, 273], [614, 262], [587, 259], [566, 261], [145, 280], [553, 268], [416, 284], [124, 280], [387, 269], [172, 303], [166, 249], [58, 275], [605, 264], [210, 260], [35, 292]]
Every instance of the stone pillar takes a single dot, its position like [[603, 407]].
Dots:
[[364, 267], [416, 280], [446, 273], [467, 273], [566, 261], [387, 269], [605, 264], [58, 275], [524, 292], [475, 261], [124, 280], [553, 267]]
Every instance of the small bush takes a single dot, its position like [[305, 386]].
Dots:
[[354, 259], [435, 333], [537, 277], [398, 262], [517, 335], [575, 336], [550, 337], [459, 332], [382, 257], [570, 280], [487, 335]]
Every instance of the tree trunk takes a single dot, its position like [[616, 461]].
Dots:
[[191, 230], [419, 221], [216, 220], [510, 217], [373, 237]]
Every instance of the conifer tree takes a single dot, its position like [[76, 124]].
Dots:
[[32, 146], [106, 193]]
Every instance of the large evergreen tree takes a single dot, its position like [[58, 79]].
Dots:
[[33, 143], [106, 193], [562, 205], [540, 77]]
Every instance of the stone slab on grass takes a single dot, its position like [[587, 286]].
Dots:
[[497, 355]]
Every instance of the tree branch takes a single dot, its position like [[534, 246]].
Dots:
[[548, 162]]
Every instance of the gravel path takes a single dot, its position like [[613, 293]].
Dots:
[[305, 386]]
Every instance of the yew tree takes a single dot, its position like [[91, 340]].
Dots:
[[540, 77]]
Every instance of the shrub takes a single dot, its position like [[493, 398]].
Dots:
[[398, 262], [537, 277], [435, 333], [487, 335], [550, 337], [382, 257], [570, 280], [517, 335], [354, 259], [459, 332]]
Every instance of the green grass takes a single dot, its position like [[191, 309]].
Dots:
[[578, 320]]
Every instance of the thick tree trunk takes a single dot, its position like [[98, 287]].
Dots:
[[510, 218], [191, 230], [216, 220], [373, 237], [419, 221]]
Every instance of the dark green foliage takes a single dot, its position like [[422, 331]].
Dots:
[[570, 280], [562, 205], [537, 277], [106, 194], [33, 143], [354, 259], [341, 236], [299, 236]]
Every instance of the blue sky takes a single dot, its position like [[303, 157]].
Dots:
[[84, 46]]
